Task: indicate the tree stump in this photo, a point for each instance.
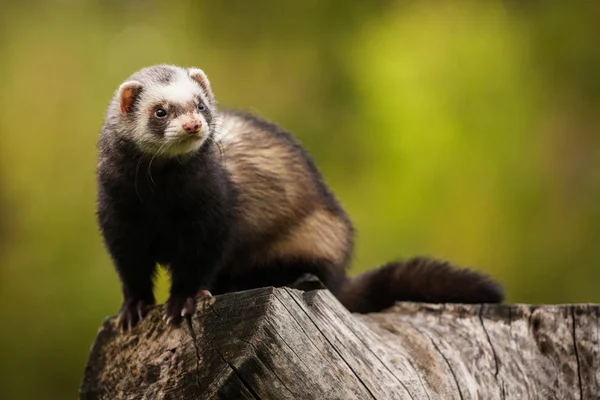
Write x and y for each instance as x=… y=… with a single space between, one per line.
x=282 y=343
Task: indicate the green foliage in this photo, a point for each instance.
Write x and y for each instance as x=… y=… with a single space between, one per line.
x=463 y=130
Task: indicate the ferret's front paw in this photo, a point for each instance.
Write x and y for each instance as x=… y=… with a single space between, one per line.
x=178 y=307
x=132 y=311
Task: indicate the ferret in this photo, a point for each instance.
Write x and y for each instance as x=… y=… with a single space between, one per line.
x=227 y=201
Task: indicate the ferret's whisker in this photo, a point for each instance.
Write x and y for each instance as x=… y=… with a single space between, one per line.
x=150 y=164
x=135 y=178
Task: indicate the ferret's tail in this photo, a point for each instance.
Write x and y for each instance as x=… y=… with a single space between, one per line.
x=420 y=280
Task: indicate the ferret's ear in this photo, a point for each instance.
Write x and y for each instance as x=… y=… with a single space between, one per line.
x=128 y=94
x=199 y=76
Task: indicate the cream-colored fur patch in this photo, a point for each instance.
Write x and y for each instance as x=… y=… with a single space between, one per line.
x=320 y=236
x=275 y=185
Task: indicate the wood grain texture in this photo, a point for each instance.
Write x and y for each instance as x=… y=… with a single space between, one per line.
x=287 y=344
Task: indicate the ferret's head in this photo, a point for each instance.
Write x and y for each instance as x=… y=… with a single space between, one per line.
x=165 y=110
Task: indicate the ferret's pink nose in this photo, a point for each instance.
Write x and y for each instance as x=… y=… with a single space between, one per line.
x=192 y=126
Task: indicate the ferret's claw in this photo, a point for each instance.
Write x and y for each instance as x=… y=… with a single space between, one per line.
x=132 y=311
x=178 y=307
x=203 y=293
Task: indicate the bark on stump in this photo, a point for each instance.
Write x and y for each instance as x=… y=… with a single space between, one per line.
x=288 y=344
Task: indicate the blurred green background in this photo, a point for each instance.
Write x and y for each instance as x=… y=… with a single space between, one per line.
x=464 y=130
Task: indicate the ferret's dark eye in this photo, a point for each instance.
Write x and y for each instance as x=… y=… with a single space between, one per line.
x=201 y=106
x=160 y=113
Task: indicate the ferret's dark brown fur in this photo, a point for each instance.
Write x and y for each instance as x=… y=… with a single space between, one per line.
x=236 y=205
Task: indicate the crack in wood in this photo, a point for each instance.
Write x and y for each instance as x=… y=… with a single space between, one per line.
x=368 y=347
x=394 y=331
x=239 y=376
x=445 y=359
x=449 y=366
x=288 y=346
x=257 y=353
x=530 y=319
x=487 y=335
x=192 y=333
x=420 y=380
x=334 y=348
x=210 y=306
x=416 y=372
x=236 y=373
x=325 y=356
x=576 y=352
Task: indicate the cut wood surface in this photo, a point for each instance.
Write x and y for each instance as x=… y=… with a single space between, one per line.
x=288 y=344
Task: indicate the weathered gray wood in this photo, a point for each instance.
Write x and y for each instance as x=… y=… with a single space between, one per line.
x=287 y=344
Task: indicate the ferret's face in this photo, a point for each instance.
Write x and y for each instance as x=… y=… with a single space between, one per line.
x=168 y=110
